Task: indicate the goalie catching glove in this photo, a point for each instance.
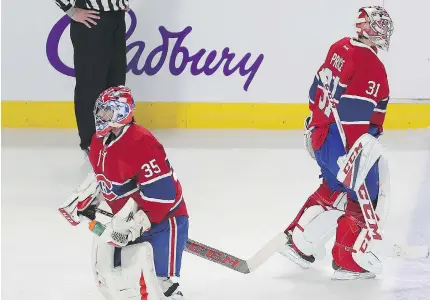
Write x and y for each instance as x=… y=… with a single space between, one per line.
x=307 y=136
x=124 y=227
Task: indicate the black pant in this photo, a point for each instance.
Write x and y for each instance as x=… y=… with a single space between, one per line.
x=100 y=62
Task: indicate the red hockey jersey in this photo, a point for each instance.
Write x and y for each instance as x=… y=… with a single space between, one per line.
x=134 y=164
x=358 y=83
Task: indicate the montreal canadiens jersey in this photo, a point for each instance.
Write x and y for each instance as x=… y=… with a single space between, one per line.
x=135 y=164
x=359 y=86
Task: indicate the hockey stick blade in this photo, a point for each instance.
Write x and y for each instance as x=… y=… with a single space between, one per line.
x=239 y=265
x=405 y=251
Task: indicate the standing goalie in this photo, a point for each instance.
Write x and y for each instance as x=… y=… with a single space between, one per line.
x=135 y=204
x=354 y=80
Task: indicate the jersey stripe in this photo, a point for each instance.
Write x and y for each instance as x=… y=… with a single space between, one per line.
x=161 y=191
x=157 y=178
x=355 y=110
x=359 y=97
x=173 y=238
x=313 y=90
x=382 y=106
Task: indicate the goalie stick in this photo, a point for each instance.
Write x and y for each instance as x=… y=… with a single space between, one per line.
x=246 y=266
x=220 y=257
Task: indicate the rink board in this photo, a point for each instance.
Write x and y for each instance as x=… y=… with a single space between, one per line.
x=162 y=115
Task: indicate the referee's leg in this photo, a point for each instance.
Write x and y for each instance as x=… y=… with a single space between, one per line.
x=118 y=64
x=92 y=54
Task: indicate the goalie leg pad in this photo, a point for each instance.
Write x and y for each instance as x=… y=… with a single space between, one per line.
x=317 y=232
x=316 y=222
x=372 y=184
x=138 y=272
x=116 y=268
x=346 y=253
x=102 y=260
x=324 y=197
x=134 y=279
x=383 y=201
x=360 y=165
x=363 y=247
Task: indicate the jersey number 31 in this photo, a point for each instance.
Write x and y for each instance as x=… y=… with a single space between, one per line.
x=327 y=79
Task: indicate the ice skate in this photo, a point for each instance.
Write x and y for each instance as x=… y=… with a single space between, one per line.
x=170 y=288
x=292 y=253
x=343 y=274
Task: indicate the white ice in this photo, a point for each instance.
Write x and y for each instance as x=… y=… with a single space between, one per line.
x=241 y=188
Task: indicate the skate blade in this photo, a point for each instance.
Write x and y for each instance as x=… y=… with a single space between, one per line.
x=295 y=257
x=347 y=275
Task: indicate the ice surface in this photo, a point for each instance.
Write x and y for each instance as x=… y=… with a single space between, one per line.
x=241 y=188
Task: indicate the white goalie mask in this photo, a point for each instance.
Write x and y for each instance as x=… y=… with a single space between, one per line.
x=114 y=108
x=375 y=24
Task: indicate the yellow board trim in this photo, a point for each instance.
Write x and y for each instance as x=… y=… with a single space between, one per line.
x=162 y=115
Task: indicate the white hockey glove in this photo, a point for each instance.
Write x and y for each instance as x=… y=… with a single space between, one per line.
x=126 y=226
x=80 y=201
x=307 y=136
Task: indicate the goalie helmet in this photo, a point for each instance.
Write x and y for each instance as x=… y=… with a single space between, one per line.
x=113 y=109
x=375 y=24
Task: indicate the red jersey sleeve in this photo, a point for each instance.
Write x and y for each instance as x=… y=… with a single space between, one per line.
x=365 y=97
x=313 y=90
x=155 y=180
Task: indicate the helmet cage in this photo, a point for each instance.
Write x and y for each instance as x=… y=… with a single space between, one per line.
x=113 y=113
x=379 y=27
